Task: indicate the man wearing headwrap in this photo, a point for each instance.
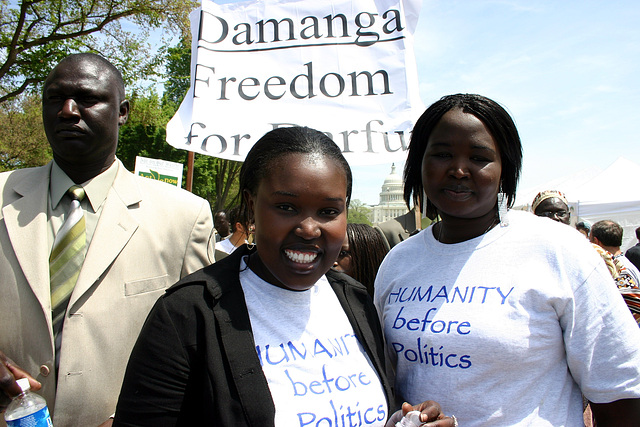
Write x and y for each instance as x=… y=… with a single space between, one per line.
x=552 y=204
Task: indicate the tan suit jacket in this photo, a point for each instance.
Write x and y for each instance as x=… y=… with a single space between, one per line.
x=148 y=236
x=398 y=229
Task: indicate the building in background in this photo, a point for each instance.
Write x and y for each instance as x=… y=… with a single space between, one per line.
x=392 y=203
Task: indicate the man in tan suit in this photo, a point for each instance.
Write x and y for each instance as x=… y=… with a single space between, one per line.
x=141 y=237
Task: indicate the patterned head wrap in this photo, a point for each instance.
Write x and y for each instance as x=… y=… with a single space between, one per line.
x=548 y=194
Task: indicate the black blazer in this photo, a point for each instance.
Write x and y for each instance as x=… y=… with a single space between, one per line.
x=195 y=360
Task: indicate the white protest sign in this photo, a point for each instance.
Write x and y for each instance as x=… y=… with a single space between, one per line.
x=344 y=67
x=161 y=170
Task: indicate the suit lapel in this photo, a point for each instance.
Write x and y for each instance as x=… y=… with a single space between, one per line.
x=113 y=231
x=26 y=222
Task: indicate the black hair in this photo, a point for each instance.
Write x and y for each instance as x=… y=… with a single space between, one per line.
x=608 y=232
x=582 y=225
x=97 y=60
x=367 y=249
x=234 y=215
x=280 y=142
x=493 y=116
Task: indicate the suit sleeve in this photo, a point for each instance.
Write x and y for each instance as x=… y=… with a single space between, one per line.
x=157 y=374
x=201 y=245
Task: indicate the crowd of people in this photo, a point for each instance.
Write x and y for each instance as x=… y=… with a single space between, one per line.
x=278 y=312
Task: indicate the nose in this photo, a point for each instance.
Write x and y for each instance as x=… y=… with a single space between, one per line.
x=459 y=169
x=69 y=109
x=308 y=229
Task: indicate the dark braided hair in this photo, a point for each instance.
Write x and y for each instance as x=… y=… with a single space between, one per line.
x=367 y=249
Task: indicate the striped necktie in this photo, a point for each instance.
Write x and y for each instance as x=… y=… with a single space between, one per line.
x=67 y=256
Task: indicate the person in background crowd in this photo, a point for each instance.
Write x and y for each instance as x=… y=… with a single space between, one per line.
x=633 y=253
x=608 y=261
x=584 y=227
x=552 y=204
x=239 y=234
x=270 y=335
x=399 y=228
x=69 y=326
x=608 y=235
x=487 y=299
x=221 y=224
x=362 y=252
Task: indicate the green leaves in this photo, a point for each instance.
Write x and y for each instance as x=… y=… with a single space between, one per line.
x=36 y=34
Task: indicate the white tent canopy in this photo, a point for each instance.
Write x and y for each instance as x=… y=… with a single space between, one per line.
x=594 y=195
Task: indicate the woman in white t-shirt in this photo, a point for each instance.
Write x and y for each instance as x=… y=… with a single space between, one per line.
x=239 y=233
x=511 y=315
x=268 y=335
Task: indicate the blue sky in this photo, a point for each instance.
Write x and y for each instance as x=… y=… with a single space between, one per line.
x=567 y=71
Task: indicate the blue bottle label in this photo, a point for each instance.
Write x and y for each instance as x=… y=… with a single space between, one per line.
x=40 y=418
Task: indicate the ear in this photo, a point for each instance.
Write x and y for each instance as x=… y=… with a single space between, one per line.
x=124 y=112
x=250 y=205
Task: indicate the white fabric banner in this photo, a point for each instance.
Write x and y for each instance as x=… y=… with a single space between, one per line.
x=344 y=67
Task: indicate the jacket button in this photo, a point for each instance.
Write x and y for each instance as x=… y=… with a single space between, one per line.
x=44 y=370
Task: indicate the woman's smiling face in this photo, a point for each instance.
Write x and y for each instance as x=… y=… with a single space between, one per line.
x=300 y=215
x=461 y=167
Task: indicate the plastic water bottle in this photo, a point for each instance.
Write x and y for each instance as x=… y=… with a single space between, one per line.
x=412 y=419
x=27 y=409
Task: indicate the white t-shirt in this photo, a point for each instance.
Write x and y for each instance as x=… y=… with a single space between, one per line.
x=226 y=245
x=317 y=371
x=508 y=328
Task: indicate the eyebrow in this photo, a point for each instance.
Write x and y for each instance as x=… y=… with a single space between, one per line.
x=284 y=193
x=484 y=148
x=448 y=144
x=289 y=194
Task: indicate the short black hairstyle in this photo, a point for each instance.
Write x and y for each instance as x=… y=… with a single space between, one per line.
x=280 y=142
x=493 y=116
x=608 y=232
x=98 y=60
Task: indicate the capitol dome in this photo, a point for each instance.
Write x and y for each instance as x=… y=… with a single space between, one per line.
x=392 y=187
x=391 y=199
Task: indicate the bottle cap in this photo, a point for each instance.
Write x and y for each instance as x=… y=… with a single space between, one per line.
x=23 y=383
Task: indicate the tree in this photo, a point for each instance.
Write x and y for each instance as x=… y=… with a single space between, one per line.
x=144 y=134
x=36 y=34
x=22 y=139
x=214 y=179
x=178 y=72
x=358 y=213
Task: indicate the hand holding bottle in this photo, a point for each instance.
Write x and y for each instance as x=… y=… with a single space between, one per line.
x=9 y=373
x=27 y=408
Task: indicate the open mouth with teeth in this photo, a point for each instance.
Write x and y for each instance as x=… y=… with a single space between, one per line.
x=301 y=257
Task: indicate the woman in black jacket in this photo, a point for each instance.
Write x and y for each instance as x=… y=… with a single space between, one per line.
x=269 y=335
